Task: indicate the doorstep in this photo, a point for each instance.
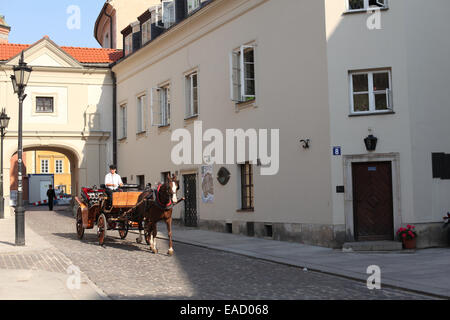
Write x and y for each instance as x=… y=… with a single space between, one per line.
x=372 y=246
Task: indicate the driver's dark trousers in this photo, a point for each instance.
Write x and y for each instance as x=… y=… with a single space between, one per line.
x=109 y=193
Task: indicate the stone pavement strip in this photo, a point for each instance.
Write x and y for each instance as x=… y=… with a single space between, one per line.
x=38 y=271
x=422 y=271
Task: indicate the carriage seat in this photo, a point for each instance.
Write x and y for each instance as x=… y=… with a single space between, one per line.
x=125 y=199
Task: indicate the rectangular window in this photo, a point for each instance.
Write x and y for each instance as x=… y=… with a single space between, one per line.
x=140 y=182
x=141 y=114
x=247 y=188
x=242 y=66
x=146 y=29
x=59 y=166
x=364 y=5
x=44 y=104
x=371 y=92
x=191 y=95
x=123 y=121
x=164 y=175
x=193 y=5
x=44 y=166
x=128 y=44
x=168 y=13
x=161 y=106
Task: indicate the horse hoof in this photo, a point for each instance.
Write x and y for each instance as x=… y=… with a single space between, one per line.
x=138 y=240
x=170 y=252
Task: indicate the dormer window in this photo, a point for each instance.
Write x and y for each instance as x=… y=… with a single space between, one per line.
x=128 y=44
x=168 y=13
x=193 y=5
x=146 y=26
x=146 y=31
x=127 y=34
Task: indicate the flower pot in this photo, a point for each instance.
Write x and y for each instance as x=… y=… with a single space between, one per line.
x=409 y=243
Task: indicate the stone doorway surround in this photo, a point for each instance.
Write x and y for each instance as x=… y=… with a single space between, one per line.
x=394 y=158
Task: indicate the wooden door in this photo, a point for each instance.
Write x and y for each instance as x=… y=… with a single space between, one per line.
x=372 y=201
x=190 y=205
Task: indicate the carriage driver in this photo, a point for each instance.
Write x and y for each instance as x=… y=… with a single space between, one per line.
x=112 y=181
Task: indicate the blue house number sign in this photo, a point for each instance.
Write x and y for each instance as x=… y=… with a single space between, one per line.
x=337 y=151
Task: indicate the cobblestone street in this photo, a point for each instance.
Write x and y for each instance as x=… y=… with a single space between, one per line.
x=127 y=270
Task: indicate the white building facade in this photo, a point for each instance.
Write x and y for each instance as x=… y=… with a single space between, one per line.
x=329 y=73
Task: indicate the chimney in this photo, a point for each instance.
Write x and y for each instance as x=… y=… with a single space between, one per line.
x=4 y=30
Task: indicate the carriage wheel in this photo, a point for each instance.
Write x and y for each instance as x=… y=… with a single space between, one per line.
x=101 y=229
x=80 y=229
x=123 y=233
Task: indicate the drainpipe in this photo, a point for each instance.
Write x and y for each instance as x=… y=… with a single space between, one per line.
x=114 y=79
x=113 y=75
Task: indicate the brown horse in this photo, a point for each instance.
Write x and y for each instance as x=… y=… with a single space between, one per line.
x=160 y=208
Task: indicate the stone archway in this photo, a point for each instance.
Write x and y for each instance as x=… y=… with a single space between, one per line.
x=10 y=173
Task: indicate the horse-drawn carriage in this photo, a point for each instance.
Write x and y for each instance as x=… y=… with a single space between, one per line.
x=94 y=209
x=129 y=209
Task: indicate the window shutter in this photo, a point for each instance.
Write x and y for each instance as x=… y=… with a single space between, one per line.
x=155 y=107
x=188 y=86
x=235 y=77
x=139 y=115
x=390 y=102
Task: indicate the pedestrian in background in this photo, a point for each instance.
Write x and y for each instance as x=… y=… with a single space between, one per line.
x=51 y=196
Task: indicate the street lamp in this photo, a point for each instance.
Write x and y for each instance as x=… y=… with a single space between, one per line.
x=19 y=81
x=4 y=121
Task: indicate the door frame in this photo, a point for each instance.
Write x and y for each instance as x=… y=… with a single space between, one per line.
x=394 y=158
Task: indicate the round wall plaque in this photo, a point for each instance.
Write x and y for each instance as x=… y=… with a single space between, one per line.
x=223 y=176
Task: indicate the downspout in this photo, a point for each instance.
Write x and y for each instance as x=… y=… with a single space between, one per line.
x=114 y=79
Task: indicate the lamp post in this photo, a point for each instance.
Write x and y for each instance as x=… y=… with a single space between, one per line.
x=4 y=121
x=19 y=80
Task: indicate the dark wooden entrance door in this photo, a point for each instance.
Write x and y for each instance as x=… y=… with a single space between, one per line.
x=190 y=205
x=372 y=201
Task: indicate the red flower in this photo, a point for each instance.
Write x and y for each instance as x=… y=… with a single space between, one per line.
x=404 y=235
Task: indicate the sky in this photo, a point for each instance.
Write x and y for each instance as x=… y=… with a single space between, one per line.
x=66 y=22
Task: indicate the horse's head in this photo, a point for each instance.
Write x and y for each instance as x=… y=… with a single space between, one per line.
x=174 y=186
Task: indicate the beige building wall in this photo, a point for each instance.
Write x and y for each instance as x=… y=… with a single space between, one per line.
x=81 y=124
x=291 y=85
x=408 y=43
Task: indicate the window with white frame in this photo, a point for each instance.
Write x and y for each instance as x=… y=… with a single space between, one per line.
x=146 y=29
x=160 y=104
x=59 y=166
x=191 y=95
x=363 y=5
x=242 y=69
x=193 y=5
x=128 y=44
x=168 y=13
x=141 y=124
x=371 y=91
x=123 y=121
x=44 y=166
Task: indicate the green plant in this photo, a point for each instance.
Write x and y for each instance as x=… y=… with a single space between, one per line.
x=407 y=233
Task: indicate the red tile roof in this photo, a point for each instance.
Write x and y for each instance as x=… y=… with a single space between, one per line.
x=83 y=55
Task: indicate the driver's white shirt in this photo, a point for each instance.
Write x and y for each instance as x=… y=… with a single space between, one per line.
x=113 y=179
